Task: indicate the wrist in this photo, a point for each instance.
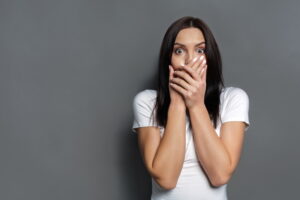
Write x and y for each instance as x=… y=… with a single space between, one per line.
x=197 y=107
x=178 y=105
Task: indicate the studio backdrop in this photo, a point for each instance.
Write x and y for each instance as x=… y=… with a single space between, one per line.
x=69 y=71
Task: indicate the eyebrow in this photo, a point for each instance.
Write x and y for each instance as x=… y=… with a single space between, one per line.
x=184 y=45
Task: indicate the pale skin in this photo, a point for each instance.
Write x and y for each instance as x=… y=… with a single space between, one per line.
x=164 y=156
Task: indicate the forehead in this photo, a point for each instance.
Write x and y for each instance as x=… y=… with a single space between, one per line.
x=190 y=35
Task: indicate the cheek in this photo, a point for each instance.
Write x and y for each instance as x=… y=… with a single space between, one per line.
x=177 y=61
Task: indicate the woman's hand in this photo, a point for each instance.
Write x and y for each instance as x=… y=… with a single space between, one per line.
x=174 y=95
x=190 y=82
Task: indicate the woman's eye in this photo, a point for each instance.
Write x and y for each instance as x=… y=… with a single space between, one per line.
x=178 y=50
x=200 y=50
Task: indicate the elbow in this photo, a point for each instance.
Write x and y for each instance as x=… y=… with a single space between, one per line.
x=220 y=180
x=166 y=184
x=165 y=181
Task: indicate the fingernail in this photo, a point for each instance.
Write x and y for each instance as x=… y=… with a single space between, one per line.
x=201 y=58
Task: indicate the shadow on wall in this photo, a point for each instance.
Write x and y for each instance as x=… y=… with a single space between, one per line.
x=150 y=79
x=134 y=179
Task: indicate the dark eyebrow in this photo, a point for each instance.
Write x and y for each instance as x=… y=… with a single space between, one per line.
x=184 y=45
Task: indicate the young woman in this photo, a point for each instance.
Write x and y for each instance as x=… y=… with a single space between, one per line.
x=191 y=129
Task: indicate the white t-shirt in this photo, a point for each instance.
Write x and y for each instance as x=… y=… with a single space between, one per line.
x=192 y=183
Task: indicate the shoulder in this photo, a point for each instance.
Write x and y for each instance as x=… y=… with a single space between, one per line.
x=145 y=96
x=233 y=92
x=235 y=105
x=234 y=97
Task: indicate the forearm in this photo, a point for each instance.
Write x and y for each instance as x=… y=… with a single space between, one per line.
x=210 y=150
x=169 y=157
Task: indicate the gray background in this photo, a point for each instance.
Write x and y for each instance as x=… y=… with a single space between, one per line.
x=70 y=69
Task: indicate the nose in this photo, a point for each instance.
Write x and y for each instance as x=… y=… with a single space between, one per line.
x=189 y=58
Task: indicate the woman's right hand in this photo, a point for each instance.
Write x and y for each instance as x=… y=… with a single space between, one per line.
x=174 y=95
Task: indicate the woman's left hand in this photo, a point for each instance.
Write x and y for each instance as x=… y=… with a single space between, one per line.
x=191 y=83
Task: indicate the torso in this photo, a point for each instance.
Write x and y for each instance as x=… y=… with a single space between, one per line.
x=193 y=183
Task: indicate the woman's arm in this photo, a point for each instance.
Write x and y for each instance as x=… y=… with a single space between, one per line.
x=164 y=159
x=219 y=156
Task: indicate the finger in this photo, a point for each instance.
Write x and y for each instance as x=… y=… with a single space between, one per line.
x=198 y=63
x=181 y=83
x=193 y=66
x=179 y=89
x=194 y=63
x=204 y=73
x=187 y=76
x=171 y=72
x=191 y=72
x=202 y=65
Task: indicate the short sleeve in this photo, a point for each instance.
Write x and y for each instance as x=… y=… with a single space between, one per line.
x=143 y=104
x=236 y=106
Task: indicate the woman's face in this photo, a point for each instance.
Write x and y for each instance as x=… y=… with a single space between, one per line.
x=188 y=44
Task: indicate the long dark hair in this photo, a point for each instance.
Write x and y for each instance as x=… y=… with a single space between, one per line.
x=214 y=77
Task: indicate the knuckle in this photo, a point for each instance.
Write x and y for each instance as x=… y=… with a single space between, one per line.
x=185 y=94
x=195 y=74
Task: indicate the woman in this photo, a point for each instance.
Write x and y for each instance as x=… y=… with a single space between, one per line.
x=191 y=129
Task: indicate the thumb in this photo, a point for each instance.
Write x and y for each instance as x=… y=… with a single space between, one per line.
x=171 y=71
